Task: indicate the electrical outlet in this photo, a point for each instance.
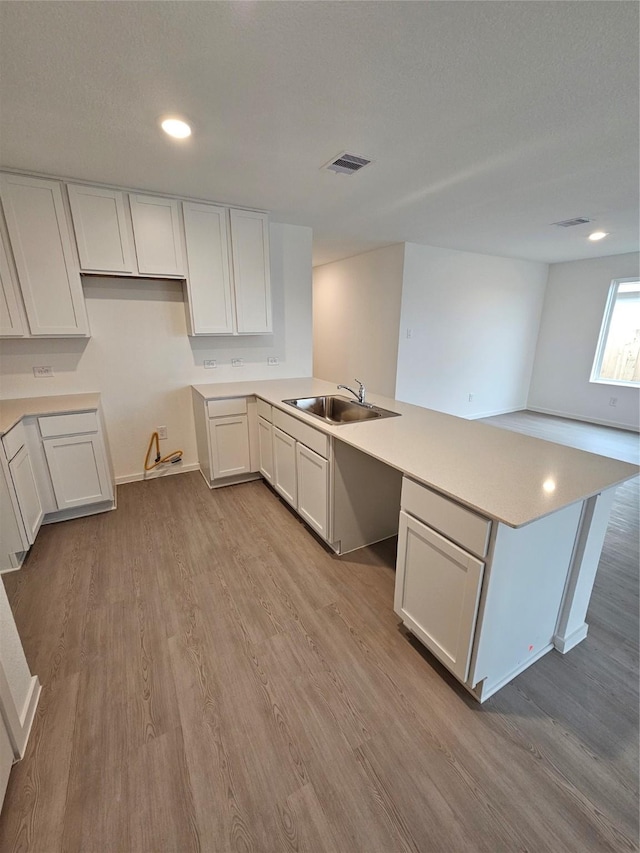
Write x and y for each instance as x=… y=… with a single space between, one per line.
x=272 y=360
x=613 y=401
x=162 y=431
x=471 y=396
x=237 y=362
x=209 y=363
x=42 y=372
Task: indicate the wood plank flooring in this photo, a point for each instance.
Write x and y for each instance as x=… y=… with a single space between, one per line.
x=214 y=679
x=607 y=441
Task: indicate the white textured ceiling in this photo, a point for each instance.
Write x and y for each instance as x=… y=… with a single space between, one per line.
x=486 y=121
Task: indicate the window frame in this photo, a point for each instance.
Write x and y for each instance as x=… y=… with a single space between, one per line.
x=604 y=334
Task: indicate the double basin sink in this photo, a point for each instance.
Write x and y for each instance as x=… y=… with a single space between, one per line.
x=337 y=410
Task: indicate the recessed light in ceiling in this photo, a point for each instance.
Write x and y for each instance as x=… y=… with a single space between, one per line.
x=176 y=127
x=598 y=235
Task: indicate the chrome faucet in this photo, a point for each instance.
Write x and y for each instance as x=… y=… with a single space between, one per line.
x=359 y=394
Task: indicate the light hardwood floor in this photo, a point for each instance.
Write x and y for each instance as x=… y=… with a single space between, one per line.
x=214 y=679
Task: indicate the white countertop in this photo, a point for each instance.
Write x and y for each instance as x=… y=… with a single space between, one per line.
x=504 y=475
x=11 y=411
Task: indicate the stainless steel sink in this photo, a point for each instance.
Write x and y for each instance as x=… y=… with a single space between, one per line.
x=339 y=410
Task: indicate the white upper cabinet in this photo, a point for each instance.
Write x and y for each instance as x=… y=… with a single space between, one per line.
x=251 y=271
x=11 y=323
x=47 y=267
x=209 y=279
x=101 y=229
x=156 y=233
x=228 y=283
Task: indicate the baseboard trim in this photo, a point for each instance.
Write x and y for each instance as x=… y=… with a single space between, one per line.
x=177 y=468
x=565 y=644
x=490 y=414
x=482 y=691
x=28 y=714
x=582 y=418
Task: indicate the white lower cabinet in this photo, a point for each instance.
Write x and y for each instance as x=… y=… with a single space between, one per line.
x=78 y=469
x=229 y=438
x=24 y=482
x=313 y=497
x=265 y=446
x=437 y=592
x=77 y=460
x=301 y=476
x=285 y=478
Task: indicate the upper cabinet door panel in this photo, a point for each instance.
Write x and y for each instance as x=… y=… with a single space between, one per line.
x=250 y=248
x=45 y=259
x=101 y=229
x=11 y=324
x=209 y=280
x=156 y=232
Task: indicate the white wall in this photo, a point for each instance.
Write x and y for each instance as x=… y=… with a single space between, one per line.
x=474 y=322
x=573 y=309
x=356 y=312
x=141 y=360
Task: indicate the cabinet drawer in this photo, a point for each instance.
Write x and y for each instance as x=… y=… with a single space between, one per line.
x=313 y=438
x=79 y=422
x=264 y=410
x=455 y=521
x=225 y=408
x=14 y=440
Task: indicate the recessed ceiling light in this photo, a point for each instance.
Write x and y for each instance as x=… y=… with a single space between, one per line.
x=598 y=235
x=177 y=128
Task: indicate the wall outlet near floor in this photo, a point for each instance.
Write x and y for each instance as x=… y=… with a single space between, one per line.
x=209 y=363
x=237 y=362
x=42 y=372
x=471 y=396
x=162 y=431
x=613 y=401
x=272 y=360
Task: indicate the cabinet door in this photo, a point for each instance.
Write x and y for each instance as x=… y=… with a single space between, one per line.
x=437 y=593
x=45 y=260
x=209 y=278
x=11 y=325
x=13 y=539
x=6 y=758
x=285 y=479
x=229 y=446
x=156 y=233
x=265 y=443
x=24 y=483
x=251 y=271
x=101 y=229
x=78 y=469
x=313 y=489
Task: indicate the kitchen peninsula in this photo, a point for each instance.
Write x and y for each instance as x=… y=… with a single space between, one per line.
x=499 y=533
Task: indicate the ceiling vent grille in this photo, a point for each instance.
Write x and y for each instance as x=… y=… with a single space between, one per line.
x=346 y=164
x=569 y=223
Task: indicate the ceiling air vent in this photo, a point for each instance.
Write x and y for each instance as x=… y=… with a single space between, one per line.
x=346 y=164
x=569 y=223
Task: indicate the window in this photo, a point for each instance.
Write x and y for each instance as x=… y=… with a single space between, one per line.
x=617 y=360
